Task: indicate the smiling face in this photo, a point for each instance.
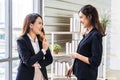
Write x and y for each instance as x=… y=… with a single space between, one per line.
x=84 y=20
x=37 y=26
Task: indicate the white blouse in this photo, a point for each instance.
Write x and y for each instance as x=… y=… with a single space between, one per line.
x=38 y=74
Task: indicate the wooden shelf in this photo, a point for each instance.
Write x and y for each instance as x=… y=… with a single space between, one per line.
x=60 y=76
x=62 y=57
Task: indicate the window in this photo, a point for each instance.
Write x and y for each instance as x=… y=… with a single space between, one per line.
x=20 y=9
x=4 y=71
x=15 y=64
x=2 y=29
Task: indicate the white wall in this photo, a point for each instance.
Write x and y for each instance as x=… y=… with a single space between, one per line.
x=115 y=35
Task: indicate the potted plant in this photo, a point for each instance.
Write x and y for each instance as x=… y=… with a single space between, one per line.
x=56 y=48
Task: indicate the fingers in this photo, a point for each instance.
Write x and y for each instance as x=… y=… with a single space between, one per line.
x=35 y=65
x=45 y=44
x=44 y=39
x=69 y=73
x=42 y=35
x=73 y=55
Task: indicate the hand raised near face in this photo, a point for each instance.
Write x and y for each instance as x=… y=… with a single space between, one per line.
x=45 y=44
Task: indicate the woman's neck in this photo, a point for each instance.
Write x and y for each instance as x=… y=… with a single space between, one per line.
x=32 y=35
x=89 y=29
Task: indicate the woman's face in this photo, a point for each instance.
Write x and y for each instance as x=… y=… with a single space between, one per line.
x=84 y=20
x=37 y=26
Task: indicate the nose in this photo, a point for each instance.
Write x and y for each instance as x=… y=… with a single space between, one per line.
x=41 y=26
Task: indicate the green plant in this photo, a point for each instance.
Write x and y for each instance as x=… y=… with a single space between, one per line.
x=57 y=47
x=105 y=20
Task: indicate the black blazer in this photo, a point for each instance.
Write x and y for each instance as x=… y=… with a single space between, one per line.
x=91 y=47
x=28 y=58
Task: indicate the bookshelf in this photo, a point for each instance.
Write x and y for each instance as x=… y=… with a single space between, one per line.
x=61 y=59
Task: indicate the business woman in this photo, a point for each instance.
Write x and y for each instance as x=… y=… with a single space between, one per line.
x=33 y=49
x=89 y=52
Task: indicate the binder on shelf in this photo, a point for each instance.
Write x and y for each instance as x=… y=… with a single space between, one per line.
x=71 y=47
x=56 y=68
x=67 y=48
x=64 y=69
x=60 y=68
x=74 y=23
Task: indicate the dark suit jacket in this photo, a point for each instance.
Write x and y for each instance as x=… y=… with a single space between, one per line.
x=28 y=58
x=91 y=47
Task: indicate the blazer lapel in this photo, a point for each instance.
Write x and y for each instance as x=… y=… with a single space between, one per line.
x=40 y=44
x=29 y=44
x=86 y=37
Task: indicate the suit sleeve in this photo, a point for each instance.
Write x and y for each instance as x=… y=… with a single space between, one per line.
x=96 y=49
x=47 y=60
x=25 y=55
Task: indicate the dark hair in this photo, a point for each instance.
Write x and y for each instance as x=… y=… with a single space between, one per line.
x=30 y=18
x=90 y=12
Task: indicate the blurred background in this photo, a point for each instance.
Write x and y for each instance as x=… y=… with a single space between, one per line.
x=56 y=17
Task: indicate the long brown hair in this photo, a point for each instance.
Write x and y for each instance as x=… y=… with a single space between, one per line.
x=91 y=12
x=31 y=18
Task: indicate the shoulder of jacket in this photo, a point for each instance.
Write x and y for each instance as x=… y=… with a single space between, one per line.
x=21 y=38
x=96 y=33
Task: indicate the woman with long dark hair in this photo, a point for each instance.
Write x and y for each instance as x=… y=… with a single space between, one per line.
x=88 y=56
x=33 y=49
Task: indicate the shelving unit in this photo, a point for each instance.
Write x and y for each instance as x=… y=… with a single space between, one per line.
x=61 y=57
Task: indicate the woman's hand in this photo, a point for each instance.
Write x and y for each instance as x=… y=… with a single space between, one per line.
x=74 y=55
x=45 y=44
x=68 y=74
x=36 y=65
x=42 y=35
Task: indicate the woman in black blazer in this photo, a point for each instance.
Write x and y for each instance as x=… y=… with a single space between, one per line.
x=89 y=51
x=33 y=50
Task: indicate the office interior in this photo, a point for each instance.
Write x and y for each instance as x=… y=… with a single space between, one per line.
x=56 y=18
